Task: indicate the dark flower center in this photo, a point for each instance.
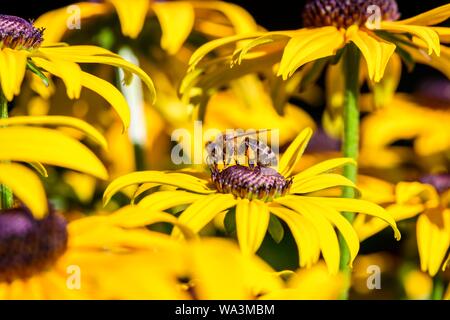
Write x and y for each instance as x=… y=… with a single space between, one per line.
x=344 y=13
x=252 y=183
x=440 y=181
x=17 y=33
x=29 y=246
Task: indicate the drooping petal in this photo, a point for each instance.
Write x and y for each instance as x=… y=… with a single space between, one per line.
x=92 y=54
x=303 y=232
x=252 y=221
x=132 y=15
x=294 y=152
x=110 y=93
x=441 y=63
x=202 y=211
x=68 y=71
x=443 y=33
x=12 y=70
x=324 y=166
x=431 y=17
x=58 y=22
x=309 y=45
x=327 y=236
x=428 y=35
x=376 y=52
x=341 y=223
x=48 y=146
x=367 y=228
x=241 y=20
x=320 y=182
x=163 y=200
x=433 y=238
x=26 y=186
x=208 y=47
x=179 y=180
x=59 y=121
x=357 y=205
x=176 y=20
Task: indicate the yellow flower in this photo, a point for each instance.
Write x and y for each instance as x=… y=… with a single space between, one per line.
x=21 y=49
x=22 y=142
x=329 y=27
x=176 y=18
x=53 y=259
x=403 y=119
x=430 y=201
x=260 y=196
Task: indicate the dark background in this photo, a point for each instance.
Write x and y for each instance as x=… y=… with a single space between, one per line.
x=279 y=14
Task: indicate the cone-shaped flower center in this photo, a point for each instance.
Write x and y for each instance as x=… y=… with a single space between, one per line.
x=17 y=33
x=252 y=183
x=440 y=181
x=344 y=13
x=29 y=246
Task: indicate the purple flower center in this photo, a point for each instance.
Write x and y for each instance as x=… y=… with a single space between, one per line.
x=17 y=33
x=344 y=13
x=29 y=246
x=262 y=183
x=440 y=181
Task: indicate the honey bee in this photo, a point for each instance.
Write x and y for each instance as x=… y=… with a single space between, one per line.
x=230 y=147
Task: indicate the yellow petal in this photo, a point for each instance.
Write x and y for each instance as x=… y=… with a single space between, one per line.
x=320 y=182
x=39 y=167
x=309 y=45
x=179 y=180
x=357 y=205
x=132 y=15
x=341 y=223
x=12 y=70
x=176 y=20
x=433 y=239
x=55 y=21
x=136 y=216
x=431 y=17
x=241 y=20
x=428 y=35
x=68 y=71
x=59 y=121
x=443 y=33
x=201 y=52
x=92 y=54
x=324 y=166
x=110 y=93
x=50 y=147
x=327 y=236
x=163 y=200
x=202 y=211
x=294 y=152
x=441 y=63
x=304 y=234
x=376 y=52
x=252 y=221
x=26 y=186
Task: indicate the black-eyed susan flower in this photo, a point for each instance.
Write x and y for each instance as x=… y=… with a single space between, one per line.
x=331 y=25
x=405 y=118
x=260 y=196
x=22 y=48
x=51 y=258
x=429 y=200
x=177 y=19
x=22 y=142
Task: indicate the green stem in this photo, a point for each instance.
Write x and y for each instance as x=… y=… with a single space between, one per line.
x=6 y=196
x=438 y=288
x=350 y=144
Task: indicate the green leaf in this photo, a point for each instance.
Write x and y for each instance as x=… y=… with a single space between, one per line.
x=276 y=229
